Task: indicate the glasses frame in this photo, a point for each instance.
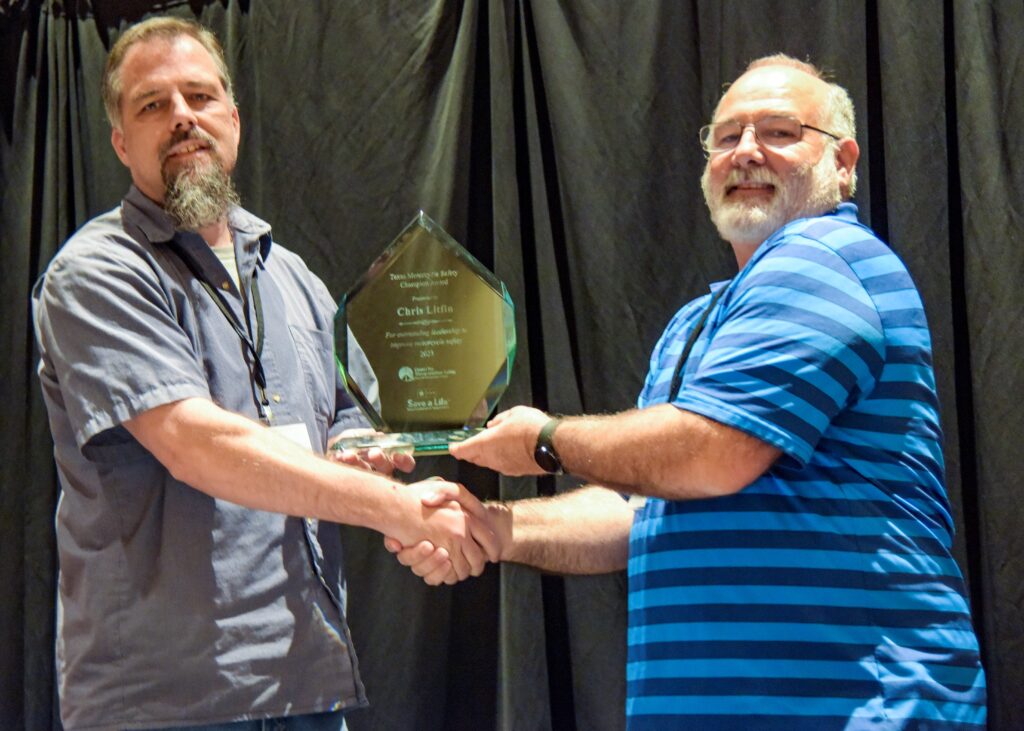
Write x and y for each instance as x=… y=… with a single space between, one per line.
x=704 y=134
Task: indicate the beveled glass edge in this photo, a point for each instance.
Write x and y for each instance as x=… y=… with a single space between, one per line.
x=422 y=220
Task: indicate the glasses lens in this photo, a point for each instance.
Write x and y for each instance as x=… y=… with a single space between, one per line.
x=723 y=136
x=770 y=131
x=778 y=131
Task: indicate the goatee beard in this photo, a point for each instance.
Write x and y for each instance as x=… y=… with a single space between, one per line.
x=810 y=190
x=199 y=193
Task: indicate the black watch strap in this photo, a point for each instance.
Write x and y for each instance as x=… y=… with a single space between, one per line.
x=544 y=453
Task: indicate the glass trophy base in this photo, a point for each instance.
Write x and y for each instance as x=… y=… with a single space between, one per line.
x=424 y=443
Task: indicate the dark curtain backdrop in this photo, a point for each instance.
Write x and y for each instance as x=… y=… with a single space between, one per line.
x=557 y=140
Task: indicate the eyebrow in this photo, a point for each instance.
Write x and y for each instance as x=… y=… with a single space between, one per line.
x=189 y=85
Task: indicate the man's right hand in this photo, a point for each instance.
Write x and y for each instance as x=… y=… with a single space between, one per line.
x=490 y=527
x=455 y=526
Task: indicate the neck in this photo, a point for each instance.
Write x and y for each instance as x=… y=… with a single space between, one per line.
x=216 y=234
x=743 y=250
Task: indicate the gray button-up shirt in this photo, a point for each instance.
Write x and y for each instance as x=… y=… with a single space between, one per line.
x=175 y=606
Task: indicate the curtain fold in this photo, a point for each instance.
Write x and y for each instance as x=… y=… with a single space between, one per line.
x=557 y=142
x=986 y=60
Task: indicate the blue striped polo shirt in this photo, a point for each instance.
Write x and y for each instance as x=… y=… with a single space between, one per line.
x=823 y=595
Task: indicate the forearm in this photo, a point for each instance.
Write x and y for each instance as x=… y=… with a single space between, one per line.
x=581 y=532
x=232 y=458
x=661 y=451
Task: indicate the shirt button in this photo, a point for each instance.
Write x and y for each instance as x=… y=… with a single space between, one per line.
x=225 y=286
x=277 y=398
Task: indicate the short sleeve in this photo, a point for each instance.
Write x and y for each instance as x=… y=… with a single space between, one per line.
x=108 y=333
x=797 y=340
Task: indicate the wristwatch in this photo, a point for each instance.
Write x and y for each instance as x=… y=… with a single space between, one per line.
x=544 y=453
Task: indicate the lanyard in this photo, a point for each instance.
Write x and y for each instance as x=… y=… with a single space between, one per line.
x=677 y=375
x=255 y=348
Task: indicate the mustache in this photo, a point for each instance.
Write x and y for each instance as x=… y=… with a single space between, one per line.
x=192 y=133
x=751 y=175
x=764 y=175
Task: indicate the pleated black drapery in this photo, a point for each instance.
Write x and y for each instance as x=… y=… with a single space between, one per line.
x=557 y=141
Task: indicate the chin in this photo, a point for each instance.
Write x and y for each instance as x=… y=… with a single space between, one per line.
x=178 y=167
x=747 y=222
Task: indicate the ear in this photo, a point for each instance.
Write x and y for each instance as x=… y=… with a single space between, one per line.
x=117 y=142
x=847 y=154
x=237 y=121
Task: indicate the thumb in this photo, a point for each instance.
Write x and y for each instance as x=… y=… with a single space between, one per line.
x=438 y=496
x=455 y=449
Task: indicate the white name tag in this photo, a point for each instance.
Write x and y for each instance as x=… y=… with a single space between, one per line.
x=295 y=433
x=637 y=502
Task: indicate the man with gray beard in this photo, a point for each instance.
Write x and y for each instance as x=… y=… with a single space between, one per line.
x=188 y=372
x=197 y=196
x=790 y=567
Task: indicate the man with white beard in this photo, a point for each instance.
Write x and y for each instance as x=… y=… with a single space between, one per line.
x=188 y=372
x=790 y=567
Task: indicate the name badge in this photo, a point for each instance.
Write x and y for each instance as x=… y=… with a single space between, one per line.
x=295 y=433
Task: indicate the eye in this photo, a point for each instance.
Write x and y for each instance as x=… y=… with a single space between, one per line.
x=779 y=131
x=728 y=136
x=201 y=98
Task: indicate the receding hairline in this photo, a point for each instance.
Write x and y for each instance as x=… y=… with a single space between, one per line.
x=782 y=59
x=161 y=28
x=836 y=111
x=779 y=61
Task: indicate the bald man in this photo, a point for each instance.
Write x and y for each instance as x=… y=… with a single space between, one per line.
x=790 y=567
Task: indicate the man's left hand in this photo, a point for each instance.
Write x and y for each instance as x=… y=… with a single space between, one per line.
x=384 y=461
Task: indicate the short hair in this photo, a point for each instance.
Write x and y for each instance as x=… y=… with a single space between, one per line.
x=167 y=29
x=837 y=115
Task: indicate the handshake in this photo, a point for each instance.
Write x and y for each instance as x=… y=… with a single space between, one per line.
x=441 y=531
x=473 y=533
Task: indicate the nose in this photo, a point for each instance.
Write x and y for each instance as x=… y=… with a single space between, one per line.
x=182 y=114
x=748 y=151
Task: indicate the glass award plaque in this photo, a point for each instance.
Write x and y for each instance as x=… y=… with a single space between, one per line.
x=438 y=330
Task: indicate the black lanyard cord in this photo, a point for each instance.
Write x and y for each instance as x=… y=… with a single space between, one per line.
x=243 y=333
x=677 y=375
x=257 y=303
x=255 y=349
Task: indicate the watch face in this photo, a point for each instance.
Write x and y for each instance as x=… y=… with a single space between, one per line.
x=547 y=459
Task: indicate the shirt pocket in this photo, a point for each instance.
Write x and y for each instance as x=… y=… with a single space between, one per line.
x=315 y=350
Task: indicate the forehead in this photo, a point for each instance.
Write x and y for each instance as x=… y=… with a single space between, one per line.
x=159 y=61
x=773 y=90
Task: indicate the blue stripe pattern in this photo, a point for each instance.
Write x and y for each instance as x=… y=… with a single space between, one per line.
x=823 y=595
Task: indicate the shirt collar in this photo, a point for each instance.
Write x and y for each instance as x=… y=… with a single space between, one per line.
x=845 y=211
x=157 y=226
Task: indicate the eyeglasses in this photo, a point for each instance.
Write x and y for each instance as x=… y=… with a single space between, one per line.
x=771 y=132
